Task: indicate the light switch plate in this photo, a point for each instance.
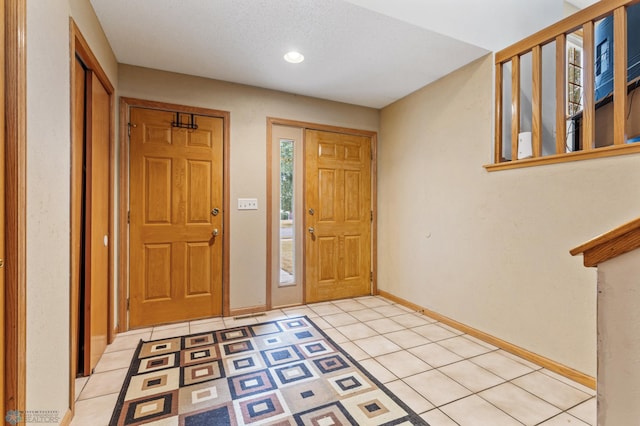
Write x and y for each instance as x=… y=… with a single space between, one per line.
x=247 y=204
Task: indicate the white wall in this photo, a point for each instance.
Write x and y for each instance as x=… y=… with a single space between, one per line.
x=48 y=193
x=48 y=152
x=491 y=249
x=249 y=108
x=569 y=9
x=85 y=18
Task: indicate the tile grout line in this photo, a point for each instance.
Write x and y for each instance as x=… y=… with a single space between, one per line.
x=558 y=415
x=541 y=398
x=98 y=396
x=569 y=382
x=464 y=359
x=446 y=415
x=405 y=328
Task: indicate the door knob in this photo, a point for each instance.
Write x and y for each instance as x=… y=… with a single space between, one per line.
x=311 y=230
x=215 y=232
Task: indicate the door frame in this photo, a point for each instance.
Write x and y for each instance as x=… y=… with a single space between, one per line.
x=15 y=188
x=123 y=224
x=81 y=49
x=304 y=125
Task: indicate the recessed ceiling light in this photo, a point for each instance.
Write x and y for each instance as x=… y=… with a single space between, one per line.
x=294 y=57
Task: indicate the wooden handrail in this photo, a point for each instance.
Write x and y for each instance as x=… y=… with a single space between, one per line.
x=611 y=244
x=567 y=25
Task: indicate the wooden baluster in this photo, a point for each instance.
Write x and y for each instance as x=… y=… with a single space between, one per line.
x=619 y=75
x=536 y=101
x=561 y=94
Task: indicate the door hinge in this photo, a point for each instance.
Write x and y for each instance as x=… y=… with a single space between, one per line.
x=127 y=303
x=371 y=276
x=130 y=125
x=371 y=215
x=128 y=216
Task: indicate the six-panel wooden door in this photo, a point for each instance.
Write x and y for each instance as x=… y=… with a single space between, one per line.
x=338 y=215
x=176 y=218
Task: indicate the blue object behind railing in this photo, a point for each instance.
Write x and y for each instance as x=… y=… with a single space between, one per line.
x=604 y=51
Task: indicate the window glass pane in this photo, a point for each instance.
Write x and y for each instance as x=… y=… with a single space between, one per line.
x=506 y=110
x=287 y=234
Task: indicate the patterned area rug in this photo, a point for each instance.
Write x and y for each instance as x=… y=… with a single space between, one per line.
x=283 y=372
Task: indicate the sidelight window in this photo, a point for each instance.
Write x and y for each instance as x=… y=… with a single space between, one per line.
x=287 y=217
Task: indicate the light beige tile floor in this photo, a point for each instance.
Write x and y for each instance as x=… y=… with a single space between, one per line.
x=445 y=376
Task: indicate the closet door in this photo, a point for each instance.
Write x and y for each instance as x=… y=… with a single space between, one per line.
x=97 y=220
x=90 y=206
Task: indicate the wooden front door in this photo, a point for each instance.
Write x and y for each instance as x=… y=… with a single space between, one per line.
x=176 y=218
x=338 y=215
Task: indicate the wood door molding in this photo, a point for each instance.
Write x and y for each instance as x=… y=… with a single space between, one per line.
x=81 y=48
x=15 y=81
x=2 y=213
x=123 y=185
x=305 y=125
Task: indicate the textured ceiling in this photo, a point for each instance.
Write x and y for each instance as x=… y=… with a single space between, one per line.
x=364 y=52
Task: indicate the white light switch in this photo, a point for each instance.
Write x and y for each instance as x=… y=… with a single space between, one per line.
x=247 y=204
